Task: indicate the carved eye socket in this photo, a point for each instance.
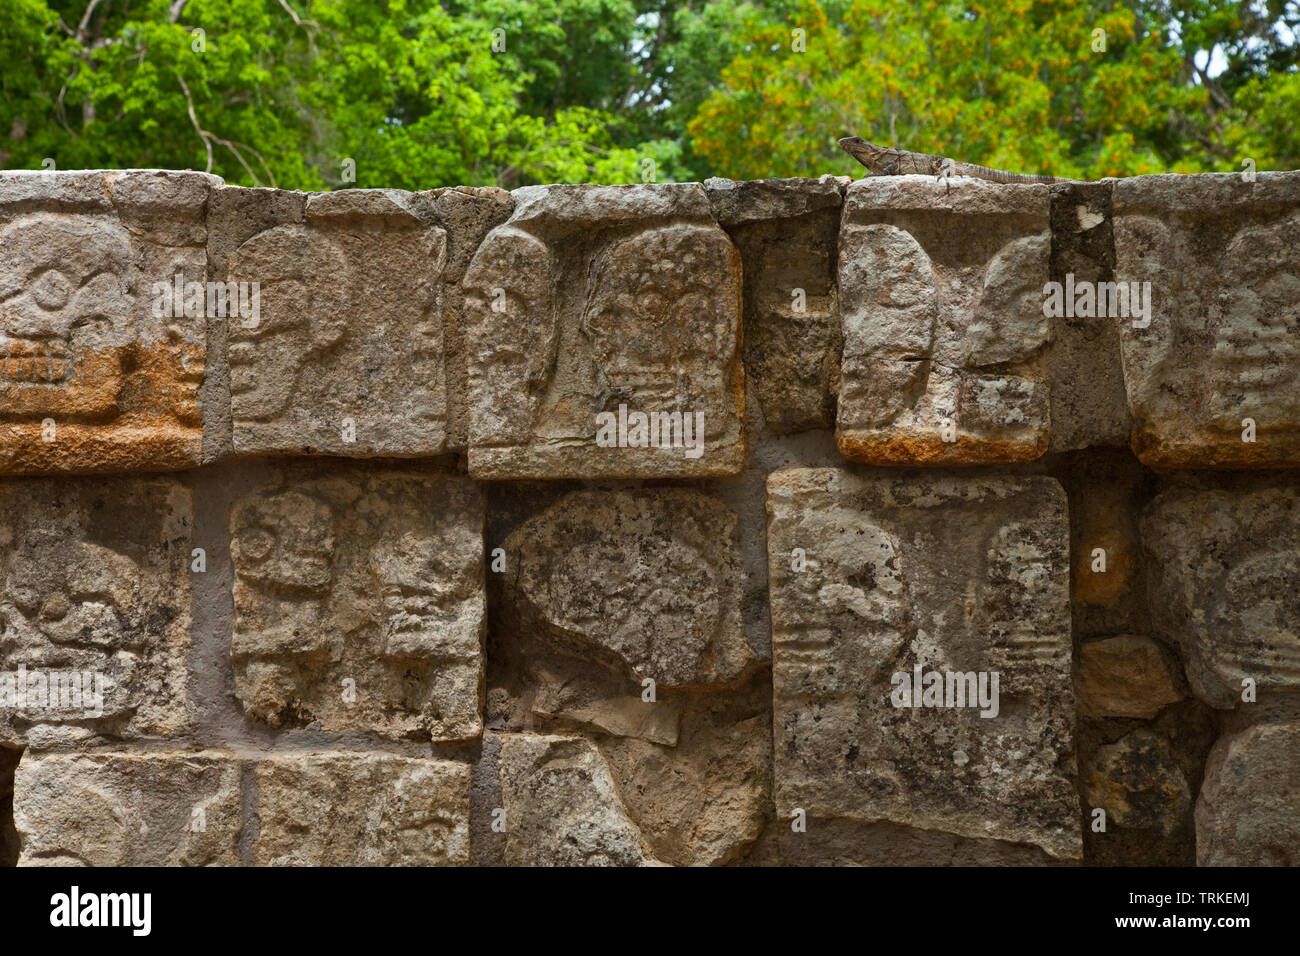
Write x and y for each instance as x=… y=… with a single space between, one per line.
x=256 y=544
x=52 y=290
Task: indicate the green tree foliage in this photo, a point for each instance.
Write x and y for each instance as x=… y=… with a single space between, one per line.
x=420 y=93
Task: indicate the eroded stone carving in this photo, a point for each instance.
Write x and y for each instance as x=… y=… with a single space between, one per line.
x=646 y=582
x=361 y=809
x=120 y=809
x=949 y=575
x=94 y=609
x=594 y=297
x=93 y=377
x=1223 y=343
x=1223 y=587
x=347 y=355
x=941 y=298
x=373 y=577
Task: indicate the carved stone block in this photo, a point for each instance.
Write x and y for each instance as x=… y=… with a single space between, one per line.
x=98 y=372
x=347 y=355
x=944 y=575
x=1213 y=380
x=361 y=809
x=646 y=582
x=595 y=301
x=359 y=602
x=945 y=339
x=94 y=609
x=1223 y=570
x=120 y=809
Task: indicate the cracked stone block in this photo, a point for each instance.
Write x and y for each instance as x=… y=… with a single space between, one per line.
x=359 y=602
x=120 y=809
x=945 y=337
x=949 y=575
x=347 y=354
x=100 y=366
x=787 y=231
x=1248 y=813
x=1223 y=341
x=645 y=582
x=562 y=807
x=361 y=809
x=591 y=307
x=1224 y=567
x=94 y=609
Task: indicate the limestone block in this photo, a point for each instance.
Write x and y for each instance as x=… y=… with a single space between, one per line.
x=99 y=369
x=346 y=357
x=128 y=809
x=561 y=806
x=945 y=338
x=590 y=300
x=361 y=809
x=960 y=576
x=1248 y=813
x=786 y=231
x=95 y=598
x=1223 y=343
x=647 y=582
x=1222 y=574
x=359 y=601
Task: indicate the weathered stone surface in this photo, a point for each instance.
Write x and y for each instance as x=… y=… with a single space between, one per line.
x=1088 y=405
x=361 y=809
x=1138 y=783
x=595 y=298
x=1248 y=813
x=703 y=800
x=346 y=357
x=1223 y=343
x=786 y=231
x=948 y=575
x=94 y=609
x=941 y=297
x=1126 y=676
x=121 y=809
x=646 y=582
x=1223 y=570
x=95 y=374
x=562 y=808
x=374 y=576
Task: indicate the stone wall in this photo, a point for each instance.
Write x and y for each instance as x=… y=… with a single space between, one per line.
x=332 y=528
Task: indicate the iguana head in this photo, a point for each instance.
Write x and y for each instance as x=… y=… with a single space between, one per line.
x=868 y=154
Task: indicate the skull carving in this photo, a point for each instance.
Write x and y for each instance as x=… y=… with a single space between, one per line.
x=65 y=316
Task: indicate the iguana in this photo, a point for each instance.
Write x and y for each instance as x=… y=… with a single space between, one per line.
x=884 y=161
